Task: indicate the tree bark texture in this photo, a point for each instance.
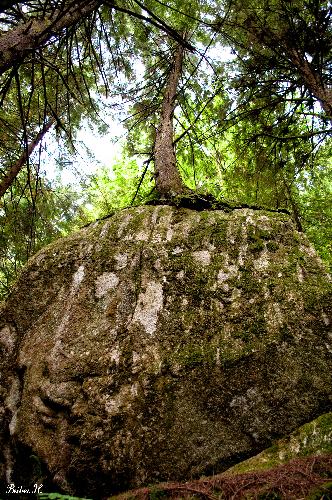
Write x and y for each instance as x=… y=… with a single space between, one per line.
x=168 y=180
x=15 y=169
x=313 y=81
x=309 y=75
x=15 y=44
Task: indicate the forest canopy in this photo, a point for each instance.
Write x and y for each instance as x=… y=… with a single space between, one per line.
x=224 y=99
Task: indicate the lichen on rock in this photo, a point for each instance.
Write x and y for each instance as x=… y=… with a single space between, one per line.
x=161 y=344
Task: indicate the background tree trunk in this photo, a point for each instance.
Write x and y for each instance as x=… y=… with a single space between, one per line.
x=313 y=81
x=20 y=41
x=168 y=180
x=15 y=169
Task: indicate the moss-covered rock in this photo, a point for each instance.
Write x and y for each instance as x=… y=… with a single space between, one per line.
x=312 y=438
x=163 y=343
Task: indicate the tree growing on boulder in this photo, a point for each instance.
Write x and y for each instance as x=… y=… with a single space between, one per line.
x=168 y=179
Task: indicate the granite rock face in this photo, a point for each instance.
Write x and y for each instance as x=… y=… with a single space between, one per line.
x=161 y=344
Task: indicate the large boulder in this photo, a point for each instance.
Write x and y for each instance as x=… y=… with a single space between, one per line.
x=162 y=343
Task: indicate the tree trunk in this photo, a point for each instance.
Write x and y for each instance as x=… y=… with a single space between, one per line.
x=296 y=212
x=310 y=77
x=18 y=42
x=15 y=44
x=168 y=180
x=15 y=169
x=312 y=81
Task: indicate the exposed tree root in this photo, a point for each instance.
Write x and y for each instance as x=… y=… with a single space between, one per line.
x=207 y=202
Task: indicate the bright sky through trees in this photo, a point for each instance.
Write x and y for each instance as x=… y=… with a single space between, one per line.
x=106 y=149
x=93 y=150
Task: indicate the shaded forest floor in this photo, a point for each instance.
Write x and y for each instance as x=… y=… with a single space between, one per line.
x=307 y=478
